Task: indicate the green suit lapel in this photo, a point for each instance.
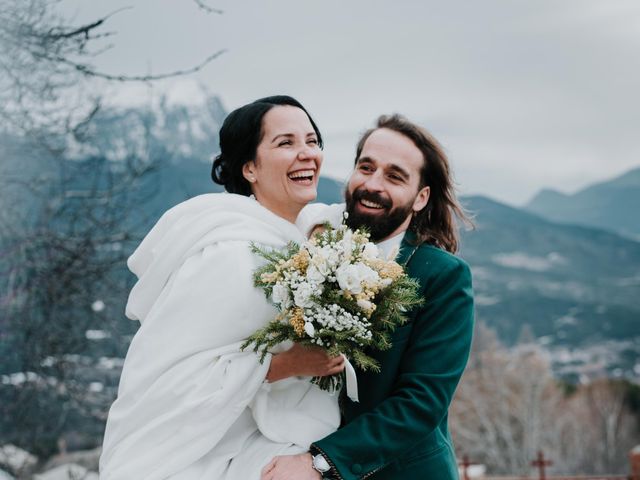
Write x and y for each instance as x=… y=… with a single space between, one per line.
x=408 y=247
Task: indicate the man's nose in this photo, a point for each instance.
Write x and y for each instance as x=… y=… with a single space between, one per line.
x=375 y=182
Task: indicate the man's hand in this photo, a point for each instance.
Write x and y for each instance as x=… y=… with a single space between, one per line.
x=291 y=467
x=303 y=361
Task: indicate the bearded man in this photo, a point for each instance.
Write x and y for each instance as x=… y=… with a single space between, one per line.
x=401 y=190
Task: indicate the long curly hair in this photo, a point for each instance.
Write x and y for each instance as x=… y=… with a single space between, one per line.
x=435 y=224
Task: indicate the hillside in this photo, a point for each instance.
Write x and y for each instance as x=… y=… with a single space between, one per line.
x=612 y=205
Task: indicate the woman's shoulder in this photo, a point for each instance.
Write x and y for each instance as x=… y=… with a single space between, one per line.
x=319 y=213
x=207 y=201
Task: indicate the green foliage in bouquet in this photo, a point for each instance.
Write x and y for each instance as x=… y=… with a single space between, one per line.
x=335 y=292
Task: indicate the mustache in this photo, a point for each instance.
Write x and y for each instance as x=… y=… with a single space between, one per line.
x=374 y=197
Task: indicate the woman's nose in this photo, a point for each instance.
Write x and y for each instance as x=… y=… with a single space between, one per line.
x=306 y=152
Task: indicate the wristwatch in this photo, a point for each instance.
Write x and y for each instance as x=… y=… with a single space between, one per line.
x=320 y=464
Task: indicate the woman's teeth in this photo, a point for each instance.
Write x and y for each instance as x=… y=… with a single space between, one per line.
x=302 y=175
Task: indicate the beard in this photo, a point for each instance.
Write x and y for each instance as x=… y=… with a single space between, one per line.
x=379 y=225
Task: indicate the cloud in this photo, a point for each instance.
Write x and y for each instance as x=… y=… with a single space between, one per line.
x=524 y=95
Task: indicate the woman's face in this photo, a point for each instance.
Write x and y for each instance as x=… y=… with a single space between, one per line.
x=284 y=175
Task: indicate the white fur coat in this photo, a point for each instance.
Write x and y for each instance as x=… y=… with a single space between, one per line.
x=190 y=403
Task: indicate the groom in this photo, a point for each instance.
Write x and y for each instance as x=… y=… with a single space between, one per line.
x=401 y=190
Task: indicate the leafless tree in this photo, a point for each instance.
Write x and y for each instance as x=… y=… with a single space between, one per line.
x=504 y=408
x=68 y=219
x=509 y=406
x=614 y=430
x=47 y=70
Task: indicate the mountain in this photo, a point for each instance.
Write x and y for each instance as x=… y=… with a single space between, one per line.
x=573 y=285
x=575 y=288
x=611 y=205
x=570 y=283
x=532 y=265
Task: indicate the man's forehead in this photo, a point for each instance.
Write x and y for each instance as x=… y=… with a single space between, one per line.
x=388 y=146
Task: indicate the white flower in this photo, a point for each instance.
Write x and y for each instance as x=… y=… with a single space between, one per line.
x=352 y=277
x=370 y=251
x=328 y=256
x=315 y=274
x=280 y=296
x=368 y=276
x=348 y=278
x=346 y=244
x=302 y=295
x=365 y=305
x=309 y=329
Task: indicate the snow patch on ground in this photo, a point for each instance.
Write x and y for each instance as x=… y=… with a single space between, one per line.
x=523 y=261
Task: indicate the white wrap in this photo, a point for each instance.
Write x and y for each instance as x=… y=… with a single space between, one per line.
x=190 y=404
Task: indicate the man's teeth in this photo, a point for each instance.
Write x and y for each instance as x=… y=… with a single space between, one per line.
x=369 y=204
x=301 y=174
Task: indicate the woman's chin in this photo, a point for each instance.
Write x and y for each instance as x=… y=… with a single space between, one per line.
x=305 y=196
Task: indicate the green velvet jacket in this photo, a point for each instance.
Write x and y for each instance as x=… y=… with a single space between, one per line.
x=399 y=428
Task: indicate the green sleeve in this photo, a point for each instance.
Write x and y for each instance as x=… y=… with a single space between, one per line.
x=430 y=370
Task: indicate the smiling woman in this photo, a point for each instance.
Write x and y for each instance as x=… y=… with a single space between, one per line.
x=284 y=174
x=254 y=129
x=191 y=402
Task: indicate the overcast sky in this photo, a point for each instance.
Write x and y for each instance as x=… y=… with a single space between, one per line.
x=523 y=94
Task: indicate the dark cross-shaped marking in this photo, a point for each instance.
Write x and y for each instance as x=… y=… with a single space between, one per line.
x=540 y=462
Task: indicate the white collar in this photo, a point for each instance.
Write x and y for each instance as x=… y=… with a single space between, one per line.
x=390 y=244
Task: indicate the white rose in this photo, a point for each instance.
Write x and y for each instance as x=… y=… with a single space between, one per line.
x=302 y=295
x=280 y=295
x=348 y=278
x=370 y=251
x=315 y=275
x=367 y=274
x=309 y=329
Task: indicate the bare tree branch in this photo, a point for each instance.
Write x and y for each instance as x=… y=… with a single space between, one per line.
x=207 y=8
x=85 y=29
x=88 y=71
x=46 y=67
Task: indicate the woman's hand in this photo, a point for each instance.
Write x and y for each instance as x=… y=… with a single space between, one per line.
x=305 y=362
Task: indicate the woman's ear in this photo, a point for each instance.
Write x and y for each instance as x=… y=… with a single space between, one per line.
x=249 y=171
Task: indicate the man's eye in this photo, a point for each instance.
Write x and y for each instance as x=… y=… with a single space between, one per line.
x=366 y=168
x=395 y=178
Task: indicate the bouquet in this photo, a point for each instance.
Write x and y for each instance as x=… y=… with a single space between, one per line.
x=335 y=292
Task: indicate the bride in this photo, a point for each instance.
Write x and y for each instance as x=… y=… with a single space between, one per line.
x=191 y=404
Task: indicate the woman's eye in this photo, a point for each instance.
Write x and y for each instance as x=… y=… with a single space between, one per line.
x=313 y=141
x=284 y=142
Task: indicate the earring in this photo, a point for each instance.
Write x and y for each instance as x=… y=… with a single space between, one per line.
x=252 y=179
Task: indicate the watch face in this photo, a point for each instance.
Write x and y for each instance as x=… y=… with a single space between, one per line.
x=320 y=464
